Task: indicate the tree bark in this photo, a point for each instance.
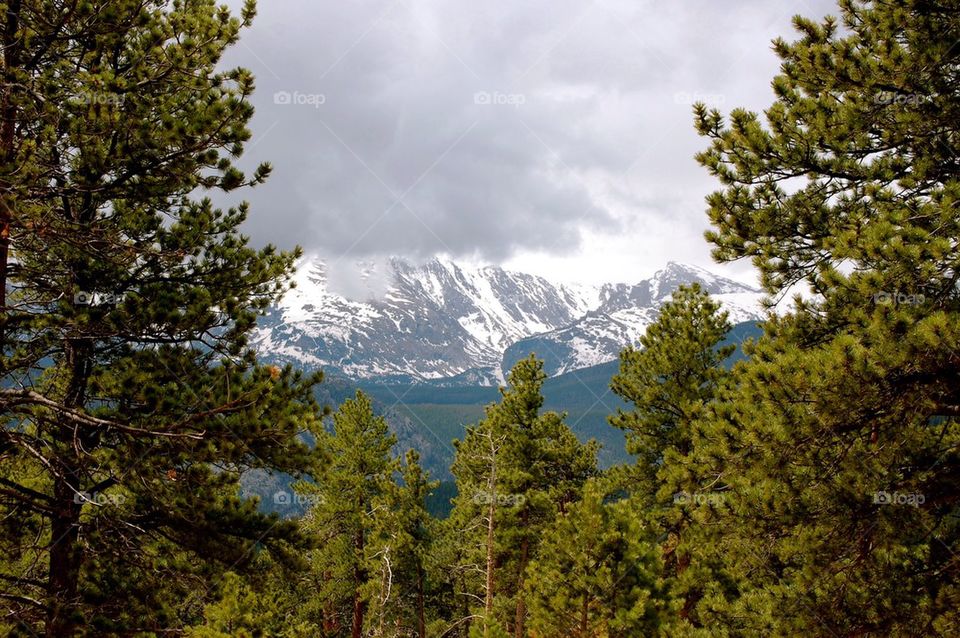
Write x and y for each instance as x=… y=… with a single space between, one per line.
x=65 y=551
x=488 y=600
x=359 y=605
x=521 y=614
x=585 y=617
x=386 y=585
x=330 y=624
x=421 y=606
x=65 y=558
x=12 y=46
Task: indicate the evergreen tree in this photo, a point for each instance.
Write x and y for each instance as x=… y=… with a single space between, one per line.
x=840 y=436
x=597 y=574
x=402 y=540
x=676 y=369
x=246 y=611
x=673 y=381
x=236 y=615
x=131 y=400
x=470 y=535
x=349 y=494
x=515 y=471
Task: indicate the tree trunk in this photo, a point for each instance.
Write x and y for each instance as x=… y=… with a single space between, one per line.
x=64 y=574
x=465 y=610
x=330 y=624
x=692 y=597
x=386 y=585
x=488 y=600
x=585 y=617
x=12 y=45
x=421 y=606
x=359 y=605
x=65 y=550
x=521 y=615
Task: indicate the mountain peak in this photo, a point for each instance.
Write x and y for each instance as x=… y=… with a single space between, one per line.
x=674 y=274
x=679 y=268
x=441 y=320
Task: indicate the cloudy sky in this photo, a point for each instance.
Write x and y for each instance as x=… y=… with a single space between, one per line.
x=550 y=136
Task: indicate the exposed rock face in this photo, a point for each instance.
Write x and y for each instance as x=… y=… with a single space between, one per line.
x=450 y=324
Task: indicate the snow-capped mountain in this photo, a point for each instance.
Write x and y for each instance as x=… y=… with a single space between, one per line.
x=456 y=324
x=623 y=315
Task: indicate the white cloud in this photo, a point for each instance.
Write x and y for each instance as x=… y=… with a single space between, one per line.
x=553 y=136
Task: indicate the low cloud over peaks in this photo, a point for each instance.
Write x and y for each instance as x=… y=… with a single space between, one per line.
x=495 y=129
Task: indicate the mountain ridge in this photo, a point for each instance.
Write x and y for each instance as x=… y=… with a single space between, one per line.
x=447 y=323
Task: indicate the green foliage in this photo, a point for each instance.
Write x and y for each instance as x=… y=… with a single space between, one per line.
x=669 y=379
x=862 y=119
x=810 y=489
x=348 y=508
x=598 y=573
x=238 y=613
x=515 y=471
x=674 y=382
x=853 y=395
x=488 y=629
x=131 y=400
x=402 y=540
x=243 y=612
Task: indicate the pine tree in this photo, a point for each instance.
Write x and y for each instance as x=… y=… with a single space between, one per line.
x=245 y=611
x=840 y=436
x=598 y=573
x=515 y=471
x=350 y=493
x=402 y=541
x=235 y=615
x=470 y=531
x=674 y=381
x=674 y=372
x=131 y=399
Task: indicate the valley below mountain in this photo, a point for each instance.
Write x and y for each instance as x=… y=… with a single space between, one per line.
x=432 y=350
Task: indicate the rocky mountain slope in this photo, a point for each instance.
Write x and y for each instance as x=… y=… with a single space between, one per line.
x=450 y=324
x=622 y=316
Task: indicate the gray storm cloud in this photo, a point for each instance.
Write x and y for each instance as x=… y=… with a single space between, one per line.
x=483 y=129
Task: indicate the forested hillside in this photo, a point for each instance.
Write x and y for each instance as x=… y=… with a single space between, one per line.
x=428 y=418
x=158 y=477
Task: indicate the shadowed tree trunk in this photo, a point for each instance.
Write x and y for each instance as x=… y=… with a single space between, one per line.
x=8 y=121
x=65 y=550
x=421 y=607
x=521 y=615
x=359 y=605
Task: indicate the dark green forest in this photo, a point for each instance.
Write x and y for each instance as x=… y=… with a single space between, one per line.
x=797 y=479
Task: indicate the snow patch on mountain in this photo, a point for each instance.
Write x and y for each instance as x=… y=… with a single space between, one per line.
x=447 y=321
x=623 y=316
